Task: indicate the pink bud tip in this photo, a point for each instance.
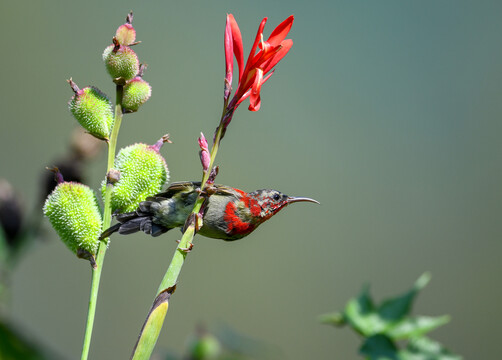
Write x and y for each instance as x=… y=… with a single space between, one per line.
x=158 y=145
x=203 y=142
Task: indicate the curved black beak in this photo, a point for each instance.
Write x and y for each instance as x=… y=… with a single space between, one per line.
x=293 y=199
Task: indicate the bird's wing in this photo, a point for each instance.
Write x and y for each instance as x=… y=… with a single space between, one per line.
x=189 y=186
x=175 y=188
x=224 y=190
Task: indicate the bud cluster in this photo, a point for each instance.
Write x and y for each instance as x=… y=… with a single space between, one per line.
x=123 y=66
x=140 y=171
x=91 y=107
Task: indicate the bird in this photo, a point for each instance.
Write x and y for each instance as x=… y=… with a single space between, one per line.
x=230 y=214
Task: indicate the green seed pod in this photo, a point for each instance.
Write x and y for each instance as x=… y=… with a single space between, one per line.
x=73 y=211
x=136 y=92
x=93 y=110
x=126 y=35
x=143 y=173
x=121 y=61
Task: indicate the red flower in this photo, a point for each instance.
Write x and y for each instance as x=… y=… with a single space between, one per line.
x=258 y=66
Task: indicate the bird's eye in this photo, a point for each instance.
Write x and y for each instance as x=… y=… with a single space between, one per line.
x=276 y=197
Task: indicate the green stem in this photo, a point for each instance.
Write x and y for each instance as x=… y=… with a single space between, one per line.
x=176 y=264
x=107 y=217
x=155 y=318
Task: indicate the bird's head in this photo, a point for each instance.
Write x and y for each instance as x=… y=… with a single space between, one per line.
x=272 y=201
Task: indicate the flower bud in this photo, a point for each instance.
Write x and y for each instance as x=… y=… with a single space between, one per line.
x=136 y=92
x=205 y=157
x=121 y=61
x=73 y=211
x=126 y=34
x=143 y=173
x=92 y=109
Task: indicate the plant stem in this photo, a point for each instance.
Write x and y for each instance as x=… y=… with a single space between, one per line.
x=107 y=217
x=176 y=264
x=155 y=318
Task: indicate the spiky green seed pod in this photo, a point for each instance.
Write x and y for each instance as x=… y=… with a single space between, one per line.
x=126 y=34
x=136 y=92
x=121 y=61
x=74 y=213
x=93 y=110
x=143 y=173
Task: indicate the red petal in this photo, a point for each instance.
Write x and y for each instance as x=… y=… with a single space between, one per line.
x=281 y=31
x=254 y=99
x=247 y=82
x=250 y=62
x=246 y=94
x=237 y=43
x=255 y=107
x=229 y=52
x=243 y=97
x=285 y=46
x=266 y=54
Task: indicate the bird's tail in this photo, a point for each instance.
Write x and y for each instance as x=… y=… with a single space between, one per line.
x=139 y=220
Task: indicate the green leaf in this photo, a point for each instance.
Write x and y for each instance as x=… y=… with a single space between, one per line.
x=424 y=348
x=150 y=332
x=395 y=309
x=390 y=322
x=379 y=347
x=415 y=327
x=152 y=326
x=360 y=313
x=336 y=319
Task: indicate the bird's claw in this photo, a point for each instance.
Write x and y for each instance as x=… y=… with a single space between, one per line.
x=187 y=249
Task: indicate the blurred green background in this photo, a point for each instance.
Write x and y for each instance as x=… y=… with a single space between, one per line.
x=387 y=112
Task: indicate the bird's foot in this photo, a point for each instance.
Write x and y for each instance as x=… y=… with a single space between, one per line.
x=187 y=249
